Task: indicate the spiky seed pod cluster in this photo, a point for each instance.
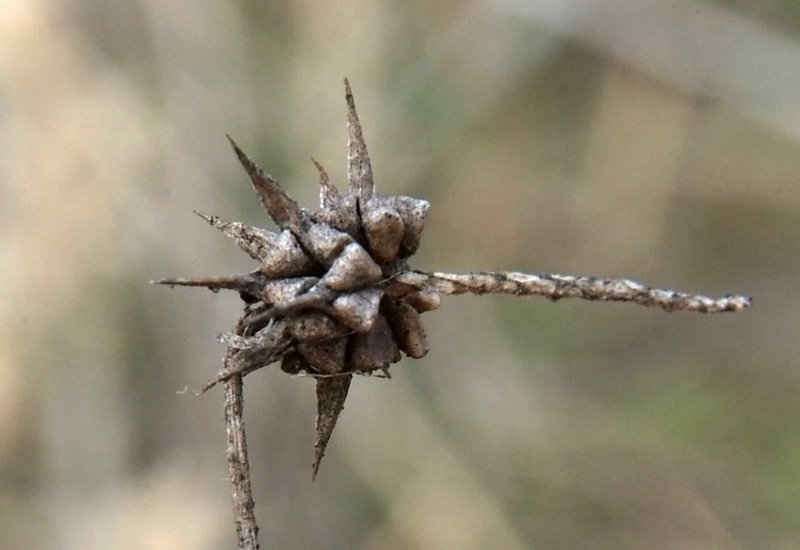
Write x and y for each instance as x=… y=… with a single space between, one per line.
x=322 y=301
x=323 y=271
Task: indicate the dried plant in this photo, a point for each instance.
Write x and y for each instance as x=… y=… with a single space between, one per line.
x=334 y=296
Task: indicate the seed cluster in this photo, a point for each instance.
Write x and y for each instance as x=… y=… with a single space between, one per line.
x=323 y=300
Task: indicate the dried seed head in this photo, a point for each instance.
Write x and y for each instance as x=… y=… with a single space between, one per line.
x=316 y=304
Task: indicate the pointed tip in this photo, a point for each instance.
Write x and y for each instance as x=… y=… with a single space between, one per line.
x=207 y=217
x=214 y=221
x=323 y=175
x=283 y=210
x=239 y=283
x=169 y=282
x=359 y=167
x=249 y=166
x=314 y=470
x=244 y=159
x=217 y=222
x=331 y=395
x=348 y=96
x=329 y=196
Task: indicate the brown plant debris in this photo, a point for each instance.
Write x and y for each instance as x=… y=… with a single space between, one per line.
x=333 y=295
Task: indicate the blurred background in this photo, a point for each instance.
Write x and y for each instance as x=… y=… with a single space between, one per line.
x=657 y=140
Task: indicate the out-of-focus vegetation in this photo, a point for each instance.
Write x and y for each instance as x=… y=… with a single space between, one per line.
x=659 y=142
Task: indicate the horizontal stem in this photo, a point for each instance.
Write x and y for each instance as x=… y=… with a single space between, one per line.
x=556 y=287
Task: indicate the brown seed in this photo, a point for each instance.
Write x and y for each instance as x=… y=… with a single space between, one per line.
x=353 y=269
x=409 y=332
x=384 y=230
x=286 y=258
x=358 y=310
x=424 y=301
x=326 y=243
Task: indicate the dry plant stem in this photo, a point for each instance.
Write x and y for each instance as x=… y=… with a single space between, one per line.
x=239 y=466
x=556 y=287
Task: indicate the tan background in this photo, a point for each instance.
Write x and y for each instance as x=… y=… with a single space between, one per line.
x=657 y=140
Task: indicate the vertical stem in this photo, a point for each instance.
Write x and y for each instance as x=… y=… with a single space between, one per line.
x=238 y=465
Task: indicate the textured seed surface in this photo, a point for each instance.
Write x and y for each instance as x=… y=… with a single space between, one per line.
x=317 y=302
x=358 y=310
x=354 y=268
x=384 y=229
